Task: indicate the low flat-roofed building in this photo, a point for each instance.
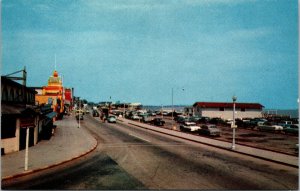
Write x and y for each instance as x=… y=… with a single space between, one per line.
x=224 y=110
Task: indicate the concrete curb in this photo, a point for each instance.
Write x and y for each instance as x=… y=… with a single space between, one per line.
x=52 y=165
x=220 y=147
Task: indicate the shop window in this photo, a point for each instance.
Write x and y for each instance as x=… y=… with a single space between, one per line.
x=8 y=127
x=221 y=109
x=243 y=109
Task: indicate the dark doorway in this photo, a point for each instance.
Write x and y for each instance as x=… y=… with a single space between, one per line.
x=23 y=138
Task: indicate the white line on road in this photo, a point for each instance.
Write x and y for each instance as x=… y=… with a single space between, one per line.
x=139 y=138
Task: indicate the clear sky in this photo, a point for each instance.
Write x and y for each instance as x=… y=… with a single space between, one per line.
x=138 y=50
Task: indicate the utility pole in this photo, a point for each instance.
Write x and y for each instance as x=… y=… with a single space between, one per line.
x=234 y=98
x=79 y=113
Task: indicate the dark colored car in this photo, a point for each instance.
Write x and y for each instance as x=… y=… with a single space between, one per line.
x=291 y=129
x=182 y=119
x=217 y=121
x=204 y=120
x=158 y=122
x=194 y=119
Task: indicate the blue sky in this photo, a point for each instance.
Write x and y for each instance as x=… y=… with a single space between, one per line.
x=138 y=50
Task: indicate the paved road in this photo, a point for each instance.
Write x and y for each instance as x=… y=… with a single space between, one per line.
x=128 y=157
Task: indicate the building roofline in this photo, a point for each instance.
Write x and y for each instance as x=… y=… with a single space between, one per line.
x=228 y=105
x=5 y=79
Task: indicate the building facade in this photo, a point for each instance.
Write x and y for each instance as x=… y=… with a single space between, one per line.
x=18 y=112
x=224 y=110
x=68 y=99
x=52 y=94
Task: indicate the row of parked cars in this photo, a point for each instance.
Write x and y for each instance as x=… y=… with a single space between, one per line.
x=206 y=129
x=260 y=124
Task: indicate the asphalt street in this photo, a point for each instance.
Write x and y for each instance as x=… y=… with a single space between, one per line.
x=164 y=162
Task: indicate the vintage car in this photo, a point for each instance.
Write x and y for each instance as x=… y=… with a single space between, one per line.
x=291 y=129
x=158 y=122
x=111 y=119
x=267 y=126
x=211 y=130
x=189 y=126
x=146 y=119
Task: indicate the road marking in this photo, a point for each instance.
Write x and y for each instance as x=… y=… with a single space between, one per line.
x=139 y=138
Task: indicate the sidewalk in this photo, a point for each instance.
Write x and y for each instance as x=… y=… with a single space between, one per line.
x=69 y=142
x=250 y=151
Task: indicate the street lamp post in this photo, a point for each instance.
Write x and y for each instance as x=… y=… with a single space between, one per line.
x=79 y=104
x=124 y=111
x=172 y=109
x=234 y=98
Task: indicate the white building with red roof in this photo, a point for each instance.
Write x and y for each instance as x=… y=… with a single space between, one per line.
x=224 y=110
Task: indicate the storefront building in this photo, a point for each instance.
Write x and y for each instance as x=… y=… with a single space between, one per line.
x=18 y=112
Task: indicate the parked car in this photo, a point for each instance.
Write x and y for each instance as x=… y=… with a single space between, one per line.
x=165 y=113
x=204 y=119
x=151 y=113
x=189 y=126
x=229 y=121
x=211 y=130
x=267 y=126
x=217 y=121
x=158 y=122
x=178 y=117
x=194 y=119
x=135 y=117
x=79 y=114
x=95 y=113
x=146 y=119
x=111 y=119
x=285 y=123
x=182 y=119
x=291 y=129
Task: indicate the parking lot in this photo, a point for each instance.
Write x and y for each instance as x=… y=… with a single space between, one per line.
x=266 y=140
